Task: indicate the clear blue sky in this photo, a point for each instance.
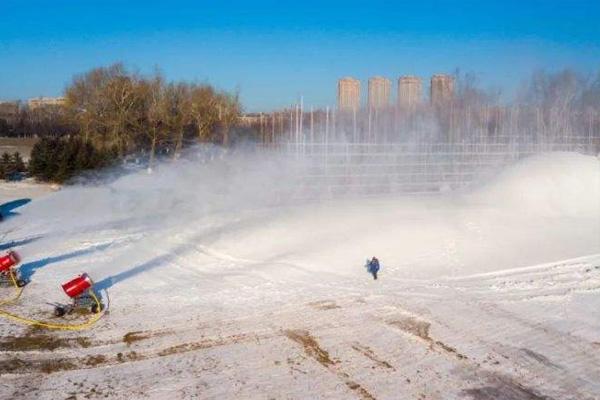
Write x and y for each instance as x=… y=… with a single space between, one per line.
x=274 y=52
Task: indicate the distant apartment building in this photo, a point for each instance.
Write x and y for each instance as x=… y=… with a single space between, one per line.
x=45 y=101
x=9 y=109
x=348 y=94
x=250 y=119
x=442 y=89
x=410 y=92
x=379 y=92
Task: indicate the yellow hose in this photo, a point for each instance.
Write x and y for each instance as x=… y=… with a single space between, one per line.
x=18 y=291
x=43 y=324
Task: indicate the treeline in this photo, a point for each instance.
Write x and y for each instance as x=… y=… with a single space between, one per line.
x=11 y=165
x=549 y=107
x=57 y=159
x=20 y=121
x=124 y=111
x=111 y=113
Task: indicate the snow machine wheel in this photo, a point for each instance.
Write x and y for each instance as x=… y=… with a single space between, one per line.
x=96 y=309
x=21 y=283
x=59 y=311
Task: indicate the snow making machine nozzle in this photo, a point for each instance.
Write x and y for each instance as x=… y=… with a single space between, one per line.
x=81 y=292
x=9 y=273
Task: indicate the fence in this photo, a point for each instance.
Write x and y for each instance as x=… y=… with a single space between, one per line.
x=341 y=169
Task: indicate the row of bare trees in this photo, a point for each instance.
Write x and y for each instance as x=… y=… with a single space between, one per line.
x=124 y=112
x=550 y=106
x=17 y=120
x=115 y=108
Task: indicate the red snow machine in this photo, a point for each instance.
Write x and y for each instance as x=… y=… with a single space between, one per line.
x=9 y=273
x=81 y=292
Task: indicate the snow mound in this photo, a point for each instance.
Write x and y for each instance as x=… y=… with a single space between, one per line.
x=549 y=184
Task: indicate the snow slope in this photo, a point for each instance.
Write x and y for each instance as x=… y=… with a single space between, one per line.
x=552 y=184
x=235 y=290
x=26 y=188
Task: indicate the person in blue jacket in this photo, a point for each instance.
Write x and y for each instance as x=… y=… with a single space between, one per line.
x=373 y=267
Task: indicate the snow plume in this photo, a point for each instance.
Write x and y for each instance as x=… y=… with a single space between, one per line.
x=208 y=180
x=222 y=213
x=549 y=184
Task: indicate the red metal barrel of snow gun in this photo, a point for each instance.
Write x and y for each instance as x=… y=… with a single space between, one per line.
x=9 y=260
x=77 y=286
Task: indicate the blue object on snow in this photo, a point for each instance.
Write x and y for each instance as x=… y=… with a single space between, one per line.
x=373 y=267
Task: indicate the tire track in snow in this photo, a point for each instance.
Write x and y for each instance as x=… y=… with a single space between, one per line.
x=313 y=349
x=501 y=330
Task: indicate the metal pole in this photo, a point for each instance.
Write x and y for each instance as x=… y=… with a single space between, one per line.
x=290 y=133
x=297 y=126
x=301 y=115
x=333 y=123
x=326 y=123
x=369 y=127
x=354 y=138
x=272 y=127
x=262 y=133
x=312 y=125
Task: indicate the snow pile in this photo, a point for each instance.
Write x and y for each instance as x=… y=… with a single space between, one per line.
x=551 y=184
x=239 y=214
x=502 y=225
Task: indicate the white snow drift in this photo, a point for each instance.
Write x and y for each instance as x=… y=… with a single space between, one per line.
x=217 y=267
x=543 y=208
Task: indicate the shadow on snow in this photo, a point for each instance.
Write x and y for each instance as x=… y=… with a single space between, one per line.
x=121 y=276
x=6 y=209
x=27 y=270
x=17 y=243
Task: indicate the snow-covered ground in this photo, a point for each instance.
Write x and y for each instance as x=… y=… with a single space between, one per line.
x=219 y=288
x=24 y=189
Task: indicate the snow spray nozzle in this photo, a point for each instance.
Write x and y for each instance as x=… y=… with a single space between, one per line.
x=9 y=260
x=77 y=286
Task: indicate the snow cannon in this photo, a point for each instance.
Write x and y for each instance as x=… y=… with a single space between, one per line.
x=9 y=260
x=77 y=286
x=81 y=291
x=9 y=274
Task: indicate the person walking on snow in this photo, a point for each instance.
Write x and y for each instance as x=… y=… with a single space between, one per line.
x=373 y=267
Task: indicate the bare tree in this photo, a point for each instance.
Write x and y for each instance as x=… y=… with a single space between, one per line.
x=204 y=110
x=156 y=114
x=177 y=108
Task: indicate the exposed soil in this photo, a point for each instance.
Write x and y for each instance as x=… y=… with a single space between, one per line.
x=205 y=344
x=367 y=352
x=41 y=342
x=413 y=326
x=324 y=305
x=16 y=365
x=315 y=351
x=505 y=391
x=137 y=336
x=420 y=329
x=311 y=346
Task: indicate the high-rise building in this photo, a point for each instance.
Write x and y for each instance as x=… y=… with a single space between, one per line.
x=410 y=92
x=442 y=89
x=379 y=92
x=348 y=94
x=45 y=101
